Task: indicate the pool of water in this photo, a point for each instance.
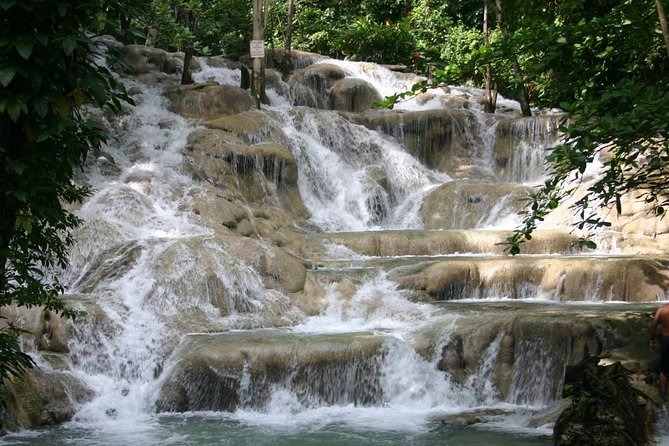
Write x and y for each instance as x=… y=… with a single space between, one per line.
x=217 y=429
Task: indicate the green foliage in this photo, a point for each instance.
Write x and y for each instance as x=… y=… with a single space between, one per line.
x=612 y=71
x=224 y=26
x=371 y=41
x=49 y=72
x=13 y=361
x=370 y=30
x=385 y=10
x=165 y=19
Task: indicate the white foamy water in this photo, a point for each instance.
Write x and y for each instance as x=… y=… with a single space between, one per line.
x=376 y=305
x=147 y=272
x=352 y=178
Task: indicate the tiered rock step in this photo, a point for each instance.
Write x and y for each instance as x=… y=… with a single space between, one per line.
x=225 y=371
x=432 y=264
x=530 y=344
x=435 y=242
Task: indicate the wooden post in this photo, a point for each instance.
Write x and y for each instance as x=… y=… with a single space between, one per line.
x=490 y=94
x=663 y=23
x=287 y=62
x=258 y=67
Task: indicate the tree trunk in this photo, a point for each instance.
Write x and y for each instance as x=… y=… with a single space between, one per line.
x=523 y=97
x=287 y=61
x=187 y=18
x=663 y=23
x=258 y=65
x=490 y=95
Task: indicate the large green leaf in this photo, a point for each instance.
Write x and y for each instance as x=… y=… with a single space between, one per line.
x=6 y=75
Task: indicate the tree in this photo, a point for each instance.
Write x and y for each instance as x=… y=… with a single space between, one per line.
x=523 y=97
x=611 y=71
x=49 y=70
x=260 y=11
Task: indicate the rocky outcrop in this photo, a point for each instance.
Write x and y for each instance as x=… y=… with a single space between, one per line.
x=353 y=95
x=40 y=398
x=605 y=408
x=561 y=279
x=240 y=370
x=255 y=185
x=150 y=65
x=208 y=101
x=465 y=204
x=320 y=77
x=532 y=345
x=425 y=242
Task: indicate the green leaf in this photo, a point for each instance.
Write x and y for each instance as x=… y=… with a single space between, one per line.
x=25 y=49
x=6 y=75
x=6 y=4
x=42 y=38
x=62 y=9
x=23 y=222
x=69 y=45
x=14 y=110
x=17 y=167
x=41 y=106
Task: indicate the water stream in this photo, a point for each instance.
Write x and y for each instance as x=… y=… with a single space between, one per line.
x=372 y=366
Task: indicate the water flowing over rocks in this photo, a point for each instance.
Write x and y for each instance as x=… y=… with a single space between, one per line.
x=319 y=253
x=228 y=371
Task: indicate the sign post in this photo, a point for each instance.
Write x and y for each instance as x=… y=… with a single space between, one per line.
x=257 y=48
x=257 y=52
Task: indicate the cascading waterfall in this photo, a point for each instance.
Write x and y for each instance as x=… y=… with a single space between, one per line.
x=351 y=178
x=180 y=316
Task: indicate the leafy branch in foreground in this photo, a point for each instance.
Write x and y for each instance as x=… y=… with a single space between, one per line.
x=49 y=71
x=627 y=130
x=439 y=78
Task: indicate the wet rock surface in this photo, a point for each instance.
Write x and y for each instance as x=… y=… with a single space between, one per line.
x=280 y=269
x=605 y=408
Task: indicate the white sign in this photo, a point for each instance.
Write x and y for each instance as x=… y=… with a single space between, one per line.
x=257 y=48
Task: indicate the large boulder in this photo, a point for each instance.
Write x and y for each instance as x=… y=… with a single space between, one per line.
x=208 y=101
x=40 y=397
x=470 y=205
x=227 y=371
x=140 y=59
x=353 y=95
x=311 y=86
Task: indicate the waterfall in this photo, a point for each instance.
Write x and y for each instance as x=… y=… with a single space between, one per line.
x=300 y=274
x=350 y=177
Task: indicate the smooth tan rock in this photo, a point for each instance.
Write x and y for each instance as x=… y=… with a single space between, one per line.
x=279 y=269
x=208 y=101
x=353 y=95
x=468 y=205
x=554 y=278
x=140 y=59
x=433 y=242
x=40 y=398
x=216 y=372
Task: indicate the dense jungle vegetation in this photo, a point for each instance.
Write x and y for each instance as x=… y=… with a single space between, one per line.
x=605 y=63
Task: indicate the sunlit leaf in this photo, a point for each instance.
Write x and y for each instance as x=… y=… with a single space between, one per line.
x=6 y=75
x=25 y=49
